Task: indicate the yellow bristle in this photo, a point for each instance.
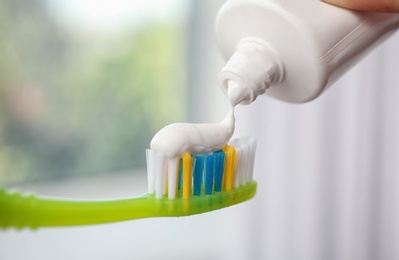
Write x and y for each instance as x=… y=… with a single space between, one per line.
x=186 y=184
x=228 y=176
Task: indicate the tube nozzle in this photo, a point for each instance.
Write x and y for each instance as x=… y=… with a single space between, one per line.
x=251 y=69
x=236 y=93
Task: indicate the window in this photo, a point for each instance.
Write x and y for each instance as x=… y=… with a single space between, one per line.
x=85 y=84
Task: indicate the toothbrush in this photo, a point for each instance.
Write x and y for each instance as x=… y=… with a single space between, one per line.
x=194 y=184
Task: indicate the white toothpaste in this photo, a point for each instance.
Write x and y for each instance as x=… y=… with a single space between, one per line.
x=175 y=139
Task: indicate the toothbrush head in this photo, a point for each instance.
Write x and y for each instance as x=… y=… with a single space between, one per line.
x=200 y=183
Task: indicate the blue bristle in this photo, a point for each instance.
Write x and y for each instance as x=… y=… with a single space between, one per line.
x=197 y=174
x=209 y=167
x=219 y=167
x=180 y=182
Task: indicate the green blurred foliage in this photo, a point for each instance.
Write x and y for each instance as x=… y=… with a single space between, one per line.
x=77 y=106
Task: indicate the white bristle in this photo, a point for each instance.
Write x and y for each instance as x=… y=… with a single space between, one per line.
x=245 y=147
x=150 y=171
x=160 y=175
x=245 y=167
x=252 y=143
x=173 y=167
x=237 y=166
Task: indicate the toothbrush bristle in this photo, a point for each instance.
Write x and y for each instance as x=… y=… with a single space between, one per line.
x=197 y=174
x=219 y=167
x=209 y=173
x=204 y=174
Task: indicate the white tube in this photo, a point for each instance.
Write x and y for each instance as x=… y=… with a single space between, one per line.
x=298 y=48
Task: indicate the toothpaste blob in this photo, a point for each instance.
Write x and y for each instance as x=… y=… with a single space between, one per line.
x=175 y=139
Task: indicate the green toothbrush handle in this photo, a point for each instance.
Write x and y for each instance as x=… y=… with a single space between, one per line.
x=19 y=210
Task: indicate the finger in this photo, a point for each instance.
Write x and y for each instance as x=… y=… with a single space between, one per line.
x=390 y=6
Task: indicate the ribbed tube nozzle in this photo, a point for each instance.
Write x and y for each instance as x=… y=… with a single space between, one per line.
x=252 y=69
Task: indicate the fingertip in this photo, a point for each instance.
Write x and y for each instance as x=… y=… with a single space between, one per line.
x=386 y=6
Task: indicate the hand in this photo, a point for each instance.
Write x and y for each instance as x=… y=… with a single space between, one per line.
x=389 y=6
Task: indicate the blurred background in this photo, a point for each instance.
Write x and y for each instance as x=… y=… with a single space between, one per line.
x=86 y=84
